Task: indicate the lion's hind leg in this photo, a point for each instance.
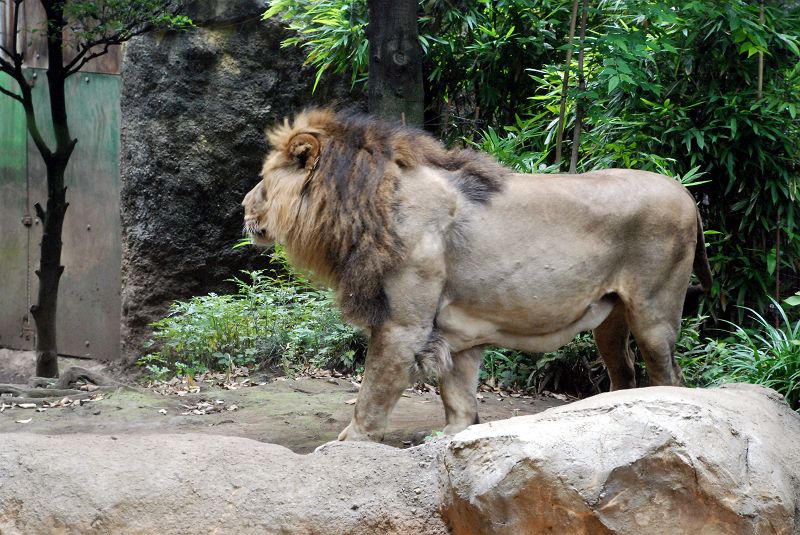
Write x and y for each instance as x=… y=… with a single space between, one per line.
x=656 y=331
x=611 y=338
x=458 y=386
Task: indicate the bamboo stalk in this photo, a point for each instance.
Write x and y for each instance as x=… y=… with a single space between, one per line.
x=761 y=54
x=565 y=84
x=579 y=104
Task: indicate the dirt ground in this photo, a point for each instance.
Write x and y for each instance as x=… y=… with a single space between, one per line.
x=299 y=414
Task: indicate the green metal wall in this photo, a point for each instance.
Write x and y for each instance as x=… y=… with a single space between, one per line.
x=13 y=235
x=89 y=299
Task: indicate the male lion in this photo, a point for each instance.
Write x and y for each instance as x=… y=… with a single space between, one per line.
x=438 y=253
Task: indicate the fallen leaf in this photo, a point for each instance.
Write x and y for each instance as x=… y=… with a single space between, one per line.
x=351 y=401
x=24 y=421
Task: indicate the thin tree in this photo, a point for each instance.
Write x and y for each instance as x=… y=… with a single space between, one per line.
x=580 y=104
x=77 y=31
x=565 y=84
x=395 y=61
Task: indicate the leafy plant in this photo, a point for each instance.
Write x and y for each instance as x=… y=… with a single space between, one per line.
x=333 y=33
x=574 y=368
x=272 y=319
x=768 y=355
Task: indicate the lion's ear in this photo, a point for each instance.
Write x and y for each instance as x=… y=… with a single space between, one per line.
x=305 y=148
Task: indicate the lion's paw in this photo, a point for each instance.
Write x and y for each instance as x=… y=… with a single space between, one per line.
x=351 y=433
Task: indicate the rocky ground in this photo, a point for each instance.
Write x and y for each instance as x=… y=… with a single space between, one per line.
x=299 y=414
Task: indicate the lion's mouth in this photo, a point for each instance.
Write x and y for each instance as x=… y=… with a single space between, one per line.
x=253 y=230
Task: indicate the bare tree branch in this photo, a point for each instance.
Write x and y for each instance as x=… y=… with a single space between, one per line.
x=15 y=31
x=12 y=95
x=33 y=127
x=8 y=68
x=82 y=58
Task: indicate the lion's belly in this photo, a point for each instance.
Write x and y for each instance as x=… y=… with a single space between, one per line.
x=464 y=328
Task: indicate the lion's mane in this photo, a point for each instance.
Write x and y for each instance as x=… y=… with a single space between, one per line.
x=342 y=223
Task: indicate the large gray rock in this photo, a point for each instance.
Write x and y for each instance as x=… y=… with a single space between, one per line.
x=651 y=461
x=179 y=484
x=658 y=460
x=194 y=108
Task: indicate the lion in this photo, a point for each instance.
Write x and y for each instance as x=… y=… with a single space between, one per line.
x=438 y=253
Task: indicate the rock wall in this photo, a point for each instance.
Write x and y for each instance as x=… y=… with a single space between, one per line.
x=194 y=108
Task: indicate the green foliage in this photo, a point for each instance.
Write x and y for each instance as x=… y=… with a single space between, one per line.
x=272 y=319
x=333 y=33
x=670 y=87
x=767 y=355
x=575 y=368
x=673 y=88
x=96 y=21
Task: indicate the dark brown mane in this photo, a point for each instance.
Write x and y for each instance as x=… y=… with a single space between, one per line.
x=349 y=233
x=476 y=175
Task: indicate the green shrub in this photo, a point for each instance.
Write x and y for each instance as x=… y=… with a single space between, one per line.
x=574 y=368
x=767 y=355
x=272 y=319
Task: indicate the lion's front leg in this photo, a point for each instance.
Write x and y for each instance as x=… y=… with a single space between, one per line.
x=388 y=371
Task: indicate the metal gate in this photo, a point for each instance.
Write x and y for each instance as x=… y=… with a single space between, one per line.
x=88 y=321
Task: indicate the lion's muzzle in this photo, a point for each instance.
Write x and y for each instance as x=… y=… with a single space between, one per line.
x=253 y=222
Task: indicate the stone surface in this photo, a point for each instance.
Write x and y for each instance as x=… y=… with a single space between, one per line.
x=194 y=108
x=662 y=460
x=650 y=461
x=178 y=484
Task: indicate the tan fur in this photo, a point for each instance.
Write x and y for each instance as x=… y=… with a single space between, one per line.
x=440 y=253
x=339 y=221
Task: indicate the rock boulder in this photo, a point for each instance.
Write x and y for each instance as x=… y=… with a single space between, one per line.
x=661 y=460
x=654 y=461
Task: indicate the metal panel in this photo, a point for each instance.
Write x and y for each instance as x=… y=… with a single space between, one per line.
x=32 y=39
x=89 y=297
x=13 y=235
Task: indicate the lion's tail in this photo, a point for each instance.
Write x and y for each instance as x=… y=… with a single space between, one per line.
x=702 y=270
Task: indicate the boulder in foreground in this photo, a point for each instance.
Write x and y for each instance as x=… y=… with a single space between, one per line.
x=652 y=461
x=657 y=460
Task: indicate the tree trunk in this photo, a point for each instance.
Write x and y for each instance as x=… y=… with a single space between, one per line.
x=50 y=268
x=395 y=61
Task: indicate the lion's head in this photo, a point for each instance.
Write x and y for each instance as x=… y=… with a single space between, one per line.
x=329 y=194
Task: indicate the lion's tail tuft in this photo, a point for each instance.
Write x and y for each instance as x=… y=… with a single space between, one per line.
x=434 y=357
x=702 y=270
